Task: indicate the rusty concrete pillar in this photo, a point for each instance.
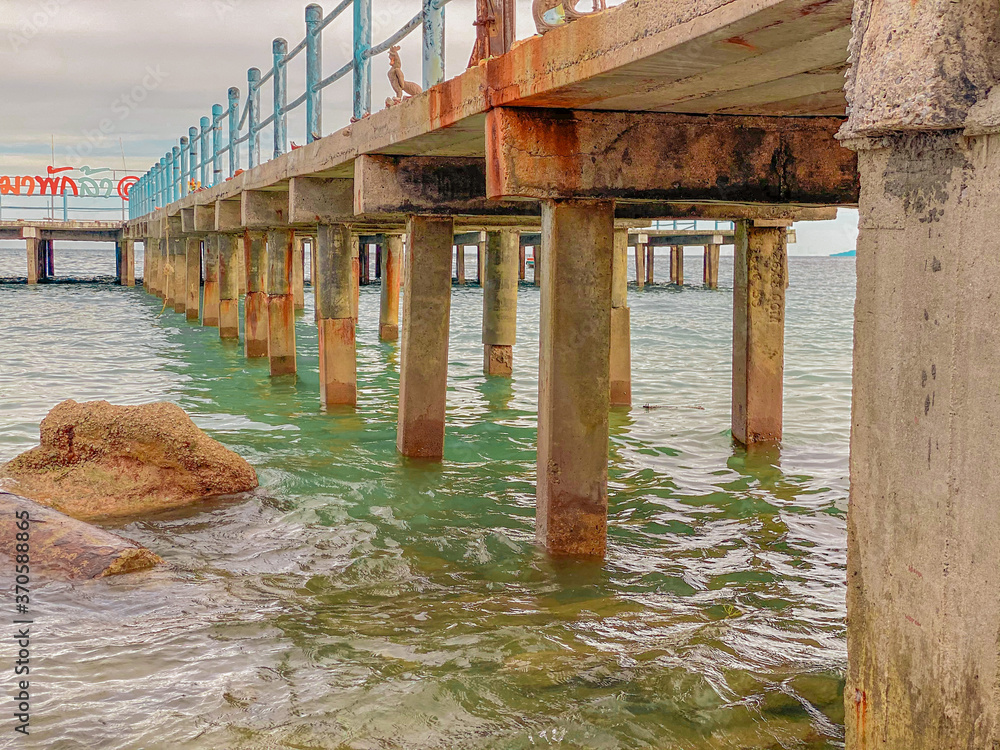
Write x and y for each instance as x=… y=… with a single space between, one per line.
x=760 y=269
x=313 y=277
x=178 y=248
x=392 y=259
x=230 y=247
x=500 y=302
x=151 y=268
x=192 y=298
x=280 y=302
x=460 y=264
x=537 y=256
x=128 y=262
x=620 y=372
x=573 y=377
x=356 y=271
x=299 y=274
x=241 y=269
x=164 y=271
x=423 y=373
x=481 y=258
x=710 y=272
x=210 y=304
x=255 y=312
x=520 y=262
x=650 y=256
x=677 y=265
x=335 y=282
x=33 y=246
x=640 y=263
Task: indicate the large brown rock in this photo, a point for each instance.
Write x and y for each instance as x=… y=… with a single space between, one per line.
x=98 y=460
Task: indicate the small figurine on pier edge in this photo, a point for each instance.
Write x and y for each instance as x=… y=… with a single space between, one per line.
x=400 y=85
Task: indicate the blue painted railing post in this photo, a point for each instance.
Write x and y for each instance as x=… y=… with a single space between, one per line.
x=362 y=65
x=158 y=186
x=185 y=163
x=175 y=186
x=234 y=130
x=253 y=117
x=193 y=136
x=66 y=207
x=279 y=48
x=161 y=184
x=433 y=43
x=206 y=127
x=314 y=71
x=216 y=144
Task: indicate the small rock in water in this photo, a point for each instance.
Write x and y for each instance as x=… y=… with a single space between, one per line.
x=98 y=460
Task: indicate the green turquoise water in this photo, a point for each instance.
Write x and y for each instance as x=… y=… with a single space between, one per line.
x=358 y=600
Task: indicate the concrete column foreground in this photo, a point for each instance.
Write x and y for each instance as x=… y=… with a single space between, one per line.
x=620 y=372
x=392 y=260
x=192 y=297
x=33 y=246
x=210 y=312
x=255 y=325
x=335 y=283
x=710 y=269
x=230 y=248
x=280 y=302
x=500 y=302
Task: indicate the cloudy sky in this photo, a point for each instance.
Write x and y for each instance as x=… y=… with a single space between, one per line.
x=91 y=79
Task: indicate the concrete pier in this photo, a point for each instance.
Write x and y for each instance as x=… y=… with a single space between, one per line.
x=500 y=302
x=423 y=374
x=151 y=271
x=536 y=255
x=299 y=273
x=355 y=277
x=460 y=264
x=760 y=271
x=230 y=249
x=35 y=261
x=650 y=256
x=521 y=262
x=620 y=372
x=192 y=298
x=255 y=308
x=335 y=283
x=128 y=262
x=677 y=265
x=573 y=377
x=710 y=267
x=392 y=260
x=180 y=264
x=481 y=258
x=280 y=302
x=210 y=304
x=640 y=264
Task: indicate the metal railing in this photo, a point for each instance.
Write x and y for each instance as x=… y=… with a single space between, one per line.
x=61 y=207
x=197 y=160
x=693 y=225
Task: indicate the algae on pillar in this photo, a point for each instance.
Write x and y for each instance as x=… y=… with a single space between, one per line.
x=230 y=248
x=500 y=302
x=573 y=376
x=280 y=302
x=620 y=372
x=423 y=373
x=255 y=325
x=760 y=270
x=392 y=259
x=211 y=305
x=335 y=284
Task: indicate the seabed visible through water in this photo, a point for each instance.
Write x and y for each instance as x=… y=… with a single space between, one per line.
x=361 y=600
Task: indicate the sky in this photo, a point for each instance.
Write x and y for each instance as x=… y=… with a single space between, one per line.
x=115 y=83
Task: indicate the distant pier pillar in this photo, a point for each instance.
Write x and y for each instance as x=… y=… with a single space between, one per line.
x=573 y=378
x=481 y=257
x=760 y=270
x=280 y=302
x=35 y=261
x=620 y=373
x=500 y=302
x=356 y=276
x=230 y=248
x=129 y=246
x=460 y=264
x=640 y=262
x=536 y=255
x=710 y=270
x=335 y=282
x=392 y=260
x=423 y=375
x=299 y=273
x=49 y=266
x=211 y=304
x=520 y=262
x=677 y=265
x=192 y=298
x=179 y=264
x=255 y=325
x=650 y=257
x=313 y=277
x=151 y=271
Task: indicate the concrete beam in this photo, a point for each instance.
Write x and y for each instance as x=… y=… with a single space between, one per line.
x=264 y=209
x=536 y=153
x=187 y=220
x=204 y=217
x=320 y=200
x=229 y=216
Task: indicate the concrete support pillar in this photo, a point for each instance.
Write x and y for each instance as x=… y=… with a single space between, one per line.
x=500 y=302
x=255 y=325
x=520 y=262
x=244 y=285
x=460 y=264
x=151 y=273
x=573 y=378
x=313 y=277
x=299 y=274
x=536 y=254
x=640 y=265
x=710 y=272
x=760 y=269
x=481 y=258
x=128 y=262
x=167 y=272
x=335 y=282
x=392 y=260
x=620 y=373
x=50 y=259
x=33 y=246
x=280 y=302
x=230 y=247
x=179 y=252
x=378 y=260
x=677 y=265
x=650 y=256
x=192 y=299
x=423 y=375
x=356 y=271
x=210 y=313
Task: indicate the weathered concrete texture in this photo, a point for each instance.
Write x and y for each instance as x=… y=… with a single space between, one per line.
x=640 y=265
x=280 y=302
x=620 y=372
x=923 y=525
x=192 y=299
x=548 y=153
x=255 y=326
x=356 y=277
x=920 y=66
x=392 y=259
x=500 y=302
x=677 y=265
x=423 y=372
x=210 y=313
x=536 y=256
x=34 y=259
x=230 y=249
x=650 y=258
x=152 y=271
x=335 y=303
x=460 y=264
x=573 y=378
x=710 y=267
x=180 y=263
x=760 y=271
x=299 y=273
x=128 y=262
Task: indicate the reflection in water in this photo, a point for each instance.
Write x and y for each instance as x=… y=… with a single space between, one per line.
x=359 y=600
